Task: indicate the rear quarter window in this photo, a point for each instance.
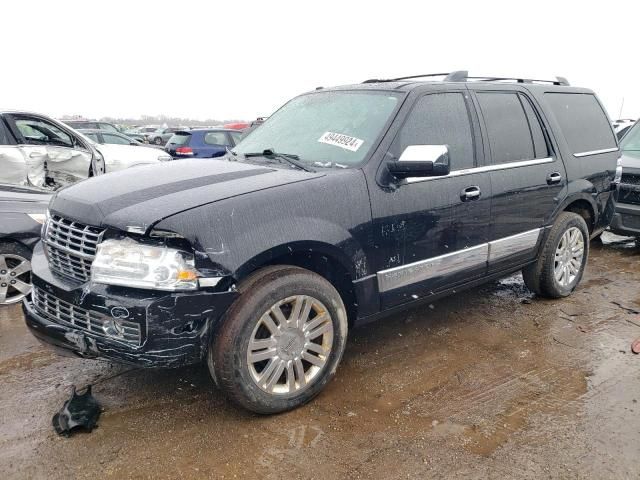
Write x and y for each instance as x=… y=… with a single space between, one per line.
x=215 y=138
x=582 y=120
x=179 y=139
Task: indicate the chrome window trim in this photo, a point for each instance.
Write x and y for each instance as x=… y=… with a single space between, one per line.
x=486 y=168
x=404 y=275
x=596 y=152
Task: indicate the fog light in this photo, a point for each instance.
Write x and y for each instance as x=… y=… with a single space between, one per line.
x=113 y=328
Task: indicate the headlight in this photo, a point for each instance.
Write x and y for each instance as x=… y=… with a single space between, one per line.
x=618 y=177
x=132 y=264
x=164 y=158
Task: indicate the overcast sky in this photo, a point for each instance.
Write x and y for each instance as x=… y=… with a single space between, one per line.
x=242 y=59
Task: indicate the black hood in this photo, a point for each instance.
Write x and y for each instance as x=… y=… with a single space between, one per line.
x=137 y=198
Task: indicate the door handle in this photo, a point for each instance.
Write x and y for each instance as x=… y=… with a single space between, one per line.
x=554 y=178
x=36 y=154
x=470 y=193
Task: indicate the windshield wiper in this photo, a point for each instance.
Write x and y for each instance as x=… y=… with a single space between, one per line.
x=290 y=158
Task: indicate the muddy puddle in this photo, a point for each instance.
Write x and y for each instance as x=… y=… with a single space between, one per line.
x=491 y=383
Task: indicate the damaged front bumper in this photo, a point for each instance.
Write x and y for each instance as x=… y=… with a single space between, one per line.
x=626 y=220
x=140 y=327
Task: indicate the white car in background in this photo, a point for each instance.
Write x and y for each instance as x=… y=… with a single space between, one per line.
x=120 y=151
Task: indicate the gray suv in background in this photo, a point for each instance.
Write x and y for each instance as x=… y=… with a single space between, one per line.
x=626 y=220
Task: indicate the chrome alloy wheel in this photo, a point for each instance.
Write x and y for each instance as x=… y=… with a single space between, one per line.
x=568 y=256
x=15 y=282
x=290 y=345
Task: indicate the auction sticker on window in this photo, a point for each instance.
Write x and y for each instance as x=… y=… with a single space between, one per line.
x=342 y=141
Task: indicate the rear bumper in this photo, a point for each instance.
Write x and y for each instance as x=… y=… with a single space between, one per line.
x=626 y=220
x=175 y=327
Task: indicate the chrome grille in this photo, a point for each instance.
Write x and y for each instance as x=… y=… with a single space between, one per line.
x=65 y=313
x=71 y=247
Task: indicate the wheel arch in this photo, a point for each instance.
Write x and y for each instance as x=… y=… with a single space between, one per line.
x=584 y=205
x=326 y=260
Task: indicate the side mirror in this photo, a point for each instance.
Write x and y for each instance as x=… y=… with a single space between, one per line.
x=421 y=161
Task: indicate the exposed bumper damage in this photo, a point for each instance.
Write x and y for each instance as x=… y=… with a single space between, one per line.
x=174 y=327
x=626 y=220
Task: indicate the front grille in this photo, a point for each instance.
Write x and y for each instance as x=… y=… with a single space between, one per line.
x=630 y=179
x=59 y=311
x=71 y=247
x=629 y=189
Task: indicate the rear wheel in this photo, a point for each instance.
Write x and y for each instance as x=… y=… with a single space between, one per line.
x=560 y=267
x=158 y=141
x=281 y=341
x=15 y=273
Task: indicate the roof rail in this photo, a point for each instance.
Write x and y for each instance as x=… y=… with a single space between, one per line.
x=463 y=76
x=377 y=80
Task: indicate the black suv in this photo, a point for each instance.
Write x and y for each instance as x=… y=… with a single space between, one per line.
x=627 y=217
x=347 y=204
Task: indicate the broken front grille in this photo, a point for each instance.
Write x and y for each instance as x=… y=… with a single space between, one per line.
x=629 y=189
x=65 y=313
x=71 y=247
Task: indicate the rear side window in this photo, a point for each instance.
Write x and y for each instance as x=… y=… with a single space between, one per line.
x=107 y=127
x=237 y=136
x=440 y=119
x=582 y=120
x=180 y=138
x=509 y=128
x=215 y=138
x=115 y=139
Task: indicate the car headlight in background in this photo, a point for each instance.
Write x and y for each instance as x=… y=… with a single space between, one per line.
x=164 y=158
x=132 y=264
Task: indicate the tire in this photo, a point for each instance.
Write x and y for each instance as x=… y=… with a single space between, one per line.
x=15 y=272
x=541 y=277
x=275 y=375
x=158 y=141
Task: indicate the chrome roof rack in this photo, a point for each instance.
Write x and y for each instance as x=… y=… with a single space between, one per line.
x=463 y=76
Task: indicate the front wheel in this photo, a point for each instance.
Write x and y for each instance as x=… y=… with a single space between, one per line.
x=281 y=341
x=158 y=141
x=560 y=267
x=15 y=273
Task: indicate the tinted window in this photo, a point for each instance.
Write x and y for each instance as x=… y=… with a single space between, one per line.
x=179 y=139
x=93 y=136
x=107 y=127
x=39 y=132
x=440 y=119
x=4 y=136
x=115 y=139
x=582 y=120
x=507 y=127
x=215 y=138
x=236 y=136
x=541 y=150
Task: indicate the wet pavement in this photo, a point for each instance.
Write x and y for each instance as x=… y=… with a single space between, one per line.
x=491 y=383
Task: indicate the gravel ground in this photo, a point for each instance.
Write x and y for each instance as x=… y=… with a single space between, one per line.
x=491 y=383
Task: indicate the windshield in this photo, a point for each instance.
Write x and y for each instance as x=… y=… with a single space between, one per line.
x=325 y=128
x=631 y=140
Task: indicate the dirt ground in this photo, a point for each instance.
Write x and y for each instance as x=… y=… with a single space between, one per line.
x=491 y=383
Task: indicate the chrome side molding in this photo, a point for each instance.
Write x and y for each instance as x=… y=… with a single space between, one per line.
x=595 y=152
x=487 y=253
